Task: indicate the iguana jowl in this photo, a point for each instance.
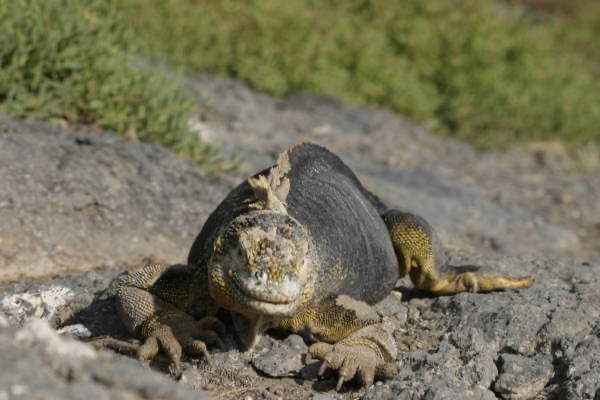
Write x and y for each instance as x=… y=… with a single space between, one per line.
x=301 y=246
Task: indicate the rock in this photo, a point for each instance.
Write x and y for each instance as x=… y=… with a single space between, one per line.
x=76 y=330
x=79 y=304
x=77 y=200
x=478 y=358
x=285 y=358
x=319 y=396
x=41 y=303
x=521 y=377
x=38 y=363
x=434 y=387
x=520 y=322
x=550 y=331
x=392 y=306
x=230 y=369
x=440 y=370
x=581 y=367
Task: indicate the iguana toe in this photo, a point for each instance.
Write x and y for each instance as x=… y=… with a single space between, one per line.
x=347 y=371
x=207 y=330
x=163 y=339
x=149 y=349
x=195 y=335
x=198 y=348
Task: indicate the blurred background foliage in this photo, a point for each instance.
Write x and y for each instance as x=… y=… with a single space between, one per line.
x=73 y=62
x=488 y=71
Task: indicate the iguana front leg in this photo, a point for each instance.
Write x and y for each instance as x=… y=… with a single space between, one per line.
x=152 y=301
x=420 y=256
x=352 y=339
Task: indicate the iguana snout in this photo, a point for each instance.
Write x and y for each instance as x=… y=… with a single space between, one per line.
x=258 y=286
x=259 y=264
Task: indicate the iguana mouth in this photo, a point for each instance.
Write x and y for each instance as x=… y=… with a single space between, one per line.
x=235 y=293
x=266 y=292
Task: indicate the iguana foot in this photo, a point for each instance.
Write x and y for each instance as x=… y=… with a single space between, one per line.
x=170 y=338
x=366 y=355
x=474 y=281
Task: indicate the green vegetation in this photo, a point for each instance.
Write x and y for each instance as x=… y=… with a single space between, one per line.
x=72 y=61
x=476 y=70
x=470 y=68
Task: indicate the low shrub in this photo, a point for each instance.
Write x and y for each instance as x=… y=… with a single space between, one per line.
x=73 y=61
x=483 y=70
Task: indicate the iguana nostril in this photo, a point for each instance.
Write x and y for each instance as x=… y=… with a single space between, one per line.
x=259 y=276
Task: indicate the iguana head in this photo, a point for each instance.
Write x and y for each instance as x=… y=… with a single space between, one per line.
x=260 y=265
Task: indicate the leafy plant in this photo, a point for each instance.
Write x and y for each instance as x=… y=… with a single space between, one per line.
x=478 y=70
x=74 y=61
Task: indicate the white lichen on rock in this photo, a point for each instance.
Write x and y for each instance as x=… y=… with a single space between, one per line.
x=39 y=304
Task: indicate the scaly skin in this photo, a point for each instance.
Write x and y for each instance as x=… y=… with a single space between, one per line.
x=304 y=247
x=420 y=256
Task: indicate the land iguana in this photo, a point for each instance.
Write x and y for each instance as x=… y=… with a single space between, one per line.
x=301 y=246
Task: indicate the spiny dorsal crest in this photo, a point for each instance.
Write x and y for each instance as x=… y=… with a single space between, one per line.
x=272 y=190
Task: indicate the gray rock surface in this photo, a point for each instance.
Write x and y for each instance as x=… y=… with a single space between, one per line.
x=521 y=377
x=285 y=358
x=39 y=364
x=76 y=200
x=79 y=207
